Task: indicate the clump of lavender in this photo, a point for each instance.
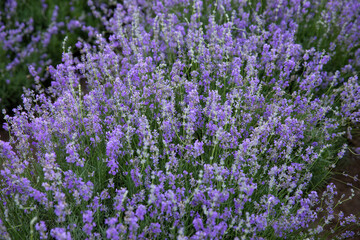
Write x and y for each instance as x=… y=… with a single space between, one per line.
x=198 y=121
x=31 y=33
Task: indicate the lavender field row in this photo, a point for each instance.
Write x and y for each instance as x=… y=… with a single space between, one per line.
x=179 y=119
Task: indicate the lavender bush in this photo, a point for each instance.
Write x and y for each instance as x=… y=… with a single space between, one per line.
x=199 y=120
x=31 y=34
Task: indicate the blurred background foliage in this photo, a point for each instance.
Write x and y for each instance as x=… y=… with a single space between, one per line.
x=32 y=33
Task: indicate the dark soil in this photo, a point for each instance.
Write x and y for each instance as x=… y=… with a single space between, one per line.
x=344 y=180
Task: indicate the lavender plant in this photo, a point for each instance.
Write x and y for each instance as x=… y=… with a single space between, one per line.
x=199 y=120
x=31 y=34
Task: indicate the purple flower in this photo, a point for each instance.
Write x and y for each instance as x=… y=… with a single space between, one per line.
x=88 y=220
x=41 y=228
x=60 y=234
x=155 y=228
x=198 y=223
x=140 y=212
x=119 y=199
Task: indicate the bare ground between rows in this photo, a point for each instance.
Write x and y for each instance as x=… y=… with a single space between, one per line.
x=343 y=179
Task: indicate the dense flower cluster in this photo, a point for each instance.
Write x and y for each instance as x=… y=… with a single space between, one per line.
x=31 y=33
x=199 y=120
